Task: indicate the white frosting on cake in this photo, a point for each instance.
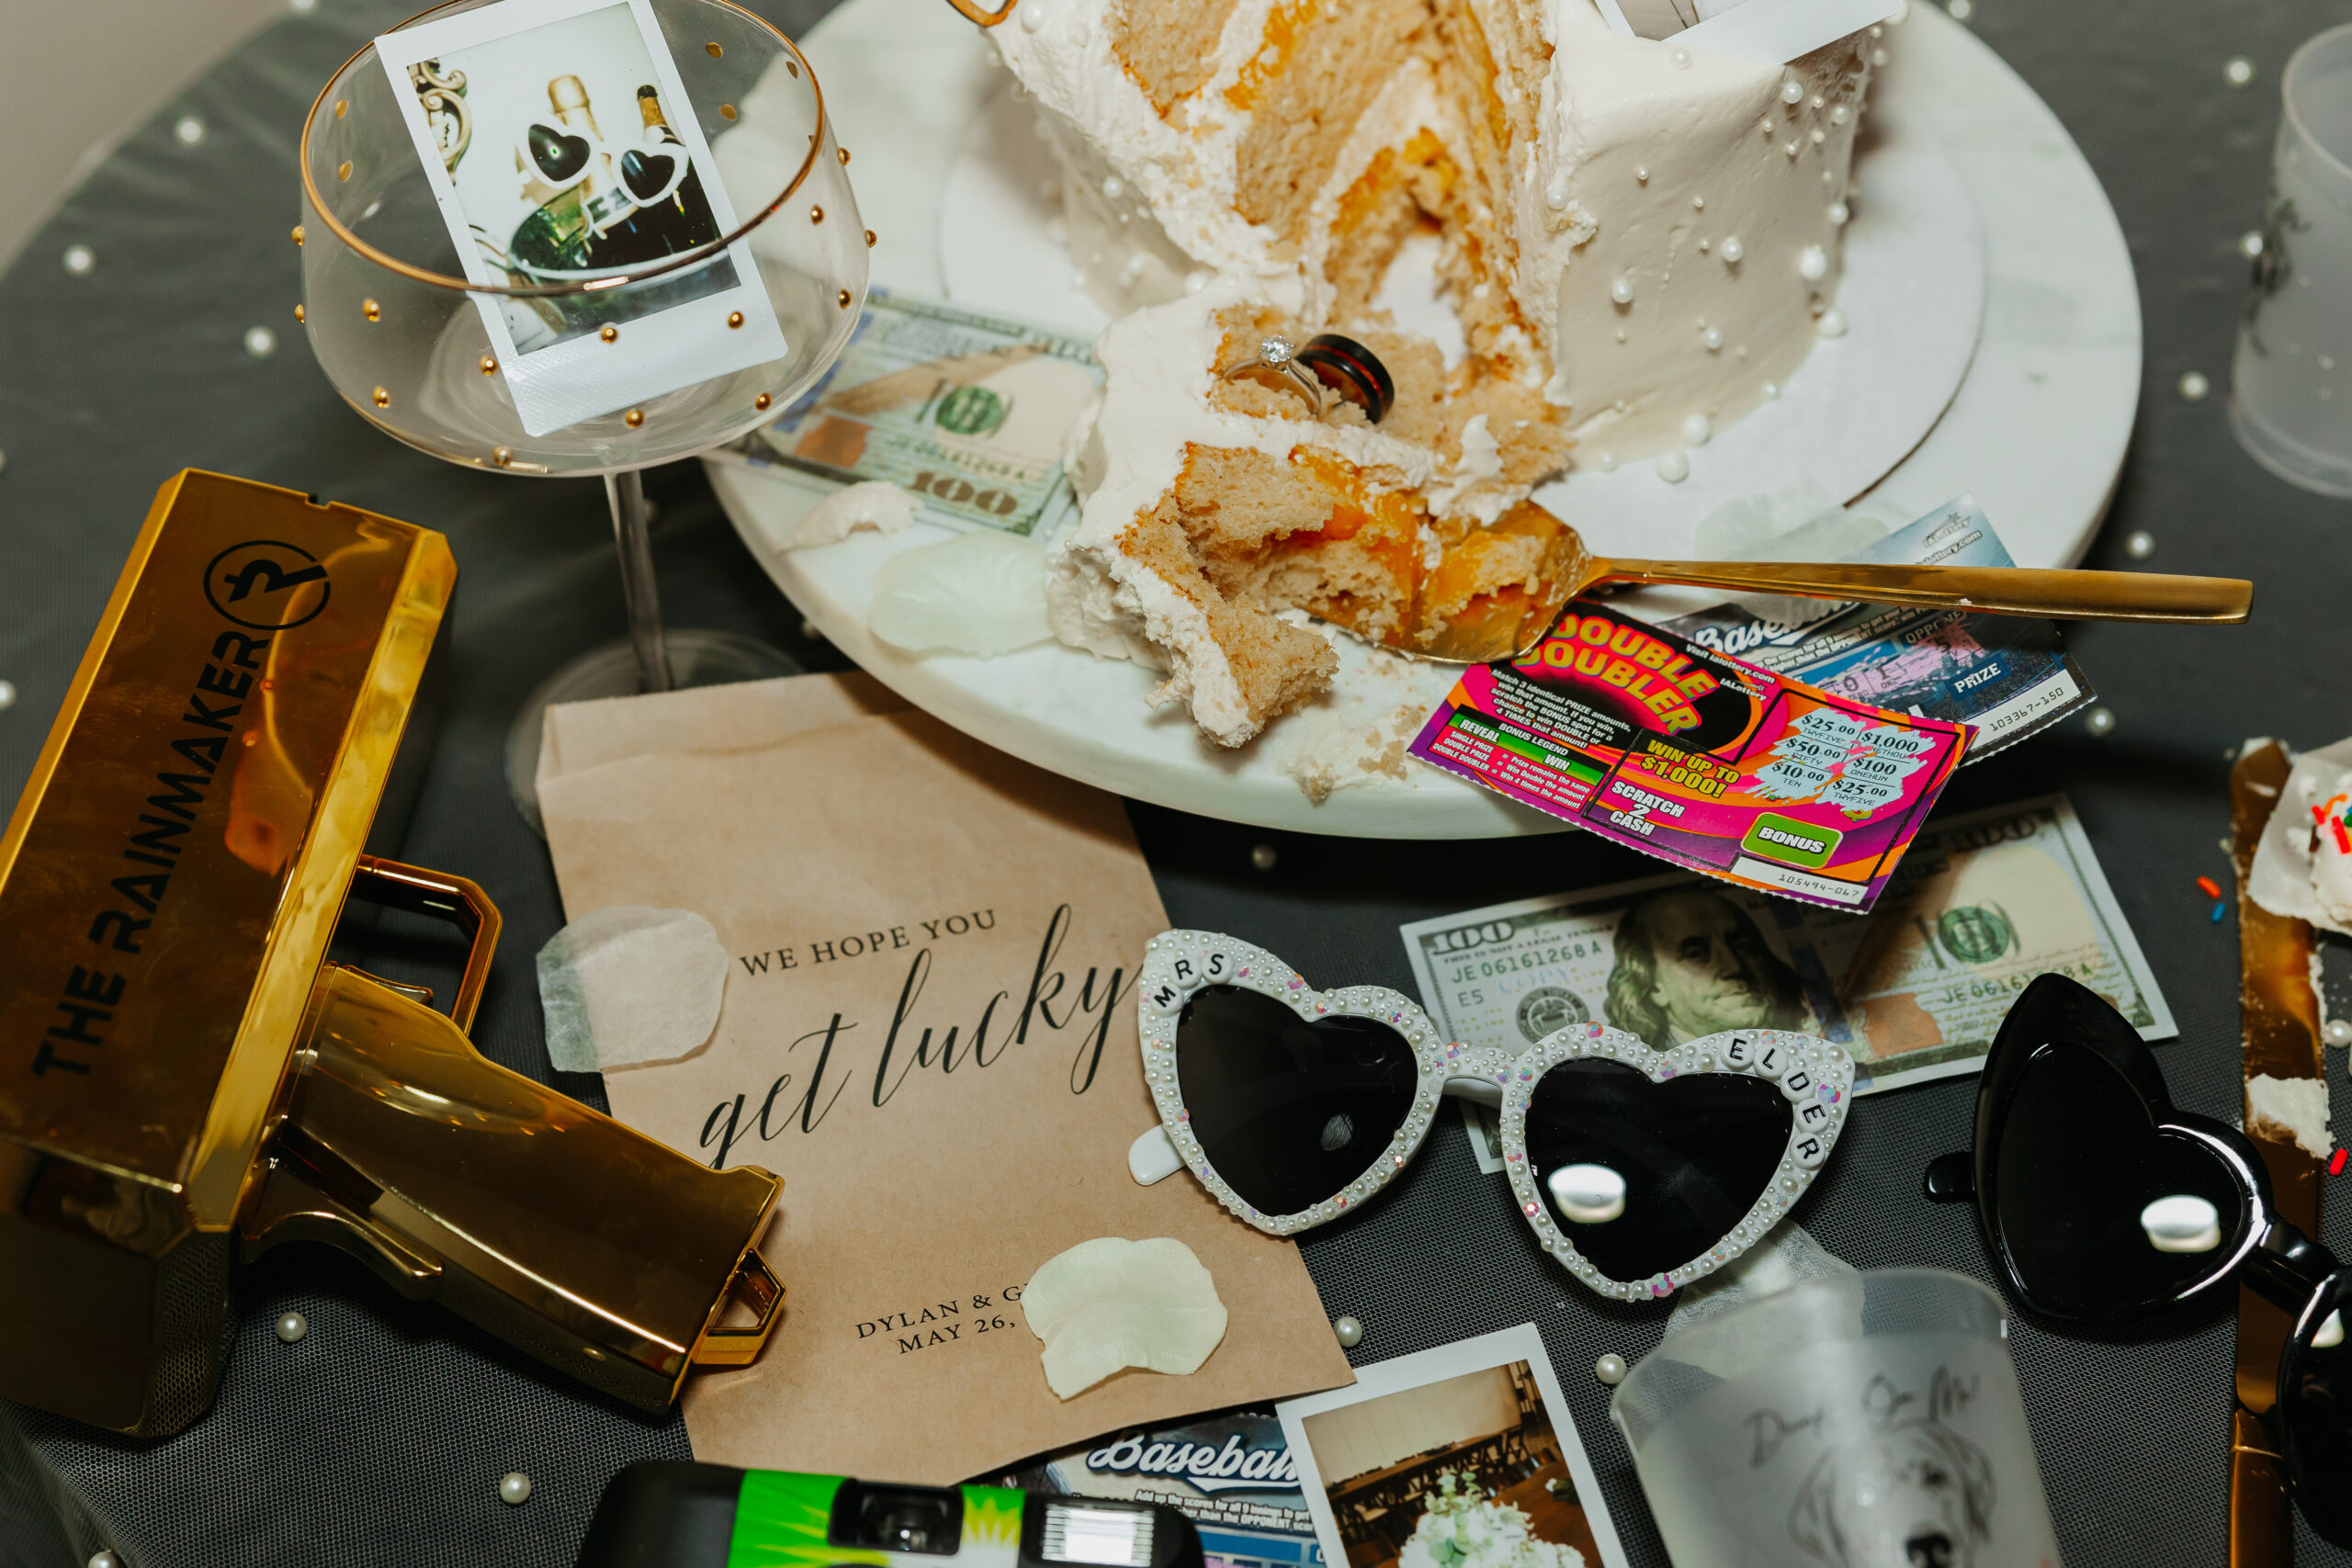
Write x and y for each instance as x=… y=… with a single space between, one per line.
x=2289 y=1109
x=1158 y=377
x=1642 y=174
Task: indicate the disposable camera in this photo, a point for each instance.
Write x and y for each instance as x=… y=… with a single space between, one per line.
x=671 y=1513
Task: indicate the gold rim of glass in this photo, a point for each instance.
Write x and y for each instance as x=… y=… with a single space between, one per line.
x=586 y=286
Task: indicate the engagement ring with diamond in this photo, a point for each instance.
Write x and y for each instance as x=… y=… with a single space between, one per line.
x=1279 y=355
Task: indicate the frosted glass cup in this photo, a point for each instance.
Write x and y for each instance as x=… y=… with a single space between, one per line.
x=1869 y=1418
x=2290 y=383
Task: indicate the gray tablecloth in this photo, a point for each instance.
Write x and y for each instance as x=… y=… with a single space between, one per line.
x=379 y=1439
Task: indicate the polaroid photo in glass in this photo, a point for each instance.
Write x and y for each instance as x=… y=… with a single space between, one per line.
x=580 y=160
x=1452 y=1458
x=1771 y=31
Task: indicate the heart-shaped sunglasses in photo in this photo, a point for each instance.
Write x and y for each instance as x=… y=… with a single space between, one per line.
x=1641 y=1170
x=2102 y=1204
x=563 y=158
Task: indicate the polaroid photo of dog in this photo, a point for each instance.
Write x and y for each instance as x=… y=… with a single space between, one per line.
x=1772 y=32
x=1461 y=1457
x=562 y=149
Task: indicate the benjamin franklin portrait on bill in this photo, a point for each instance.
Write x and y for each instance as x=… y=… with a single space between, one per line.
x=1689 y=962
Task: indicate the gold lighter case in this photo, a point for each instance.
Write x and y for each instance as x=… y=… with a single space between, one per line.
x=186 y=1077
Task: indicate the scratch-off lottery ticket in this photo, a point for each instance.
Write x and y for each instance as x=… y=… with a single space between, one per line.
x=1647 y=738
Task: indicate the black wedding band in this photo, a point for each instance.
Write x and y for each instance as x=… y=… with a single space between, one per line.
x=1353 y=371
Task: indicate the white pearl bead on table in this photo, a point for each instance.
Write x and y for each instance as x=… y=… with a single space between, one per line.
x=1609 y=1368
x=292 y=1326
x=514 y=1487
x=2337 y=1032
x=1262 y=856
x=1348 y=1332
x=106 y=1557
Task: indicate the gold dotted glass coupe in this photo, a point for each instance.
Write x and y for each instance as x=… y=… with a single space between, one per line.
x=399 y=328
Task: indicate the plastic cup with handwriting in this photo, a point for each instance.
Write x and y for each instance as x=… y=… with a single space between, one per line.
x=1869 y=1418
x=2290 y=384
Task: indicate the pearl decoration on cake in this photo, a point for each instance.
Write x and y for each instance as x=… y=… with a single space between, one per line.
x=1817 y=136
x=1698 y=429
x=1348 y=1332
x=1698 y=204
x=1813 y=264
x=1674 y=466
x=1839 y=214
x=2099 y=721
x=1713 y=338
x=1621 y=290
x=1771 y=391
x=292 y=1325
x=1832 y=324
x=514 y=1488
x=2337 y=1032
x=1608 y=462
x=1035 y=16
x=1113 y=187
x=1680 y=60
x=1642 y=175
x=1609 y=1368
x=1555 y=194
x=1841 y=115
x=1791 y=92
x=1732 y=251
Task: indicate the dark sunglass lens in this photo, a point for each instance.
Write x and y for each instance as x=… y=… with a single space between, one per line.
x=2315 y=1402
x=2078 y=1167
x=1686 y=1158
x=1288 y=1112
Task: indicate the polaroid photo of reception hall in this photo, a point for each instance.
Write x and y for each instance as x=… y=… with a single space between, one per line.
x=562 y=150
x=1461 y=1457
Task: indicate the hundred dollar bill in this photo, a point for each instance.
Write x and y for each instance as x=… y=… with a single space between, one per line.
x=1984 y=902
x=964 y=410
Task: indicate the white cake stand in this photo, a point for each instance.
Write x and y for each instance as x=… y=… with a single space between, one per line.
x=2036 y=428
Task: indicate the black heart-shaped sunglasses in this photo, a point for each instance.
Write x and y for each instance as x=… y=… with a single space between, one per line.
x=1640 y=1170
x=2101 y=1204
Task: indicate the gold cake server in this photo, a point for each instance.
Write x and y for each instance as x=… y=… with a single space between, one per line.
x=186 y=1077
x=2282 y=1028
x=1448 y=628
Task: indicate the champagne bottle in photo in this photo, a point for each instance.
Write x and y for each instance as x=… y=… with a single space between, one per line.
x=565 y=232
x=673 y=213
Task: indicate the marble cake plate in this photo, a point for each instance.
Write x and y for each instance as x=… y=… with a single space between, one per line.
x=2036 y=426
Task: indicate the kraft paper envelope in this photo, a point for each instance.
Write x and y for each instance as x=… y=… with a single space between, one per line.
x=929 y=1032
